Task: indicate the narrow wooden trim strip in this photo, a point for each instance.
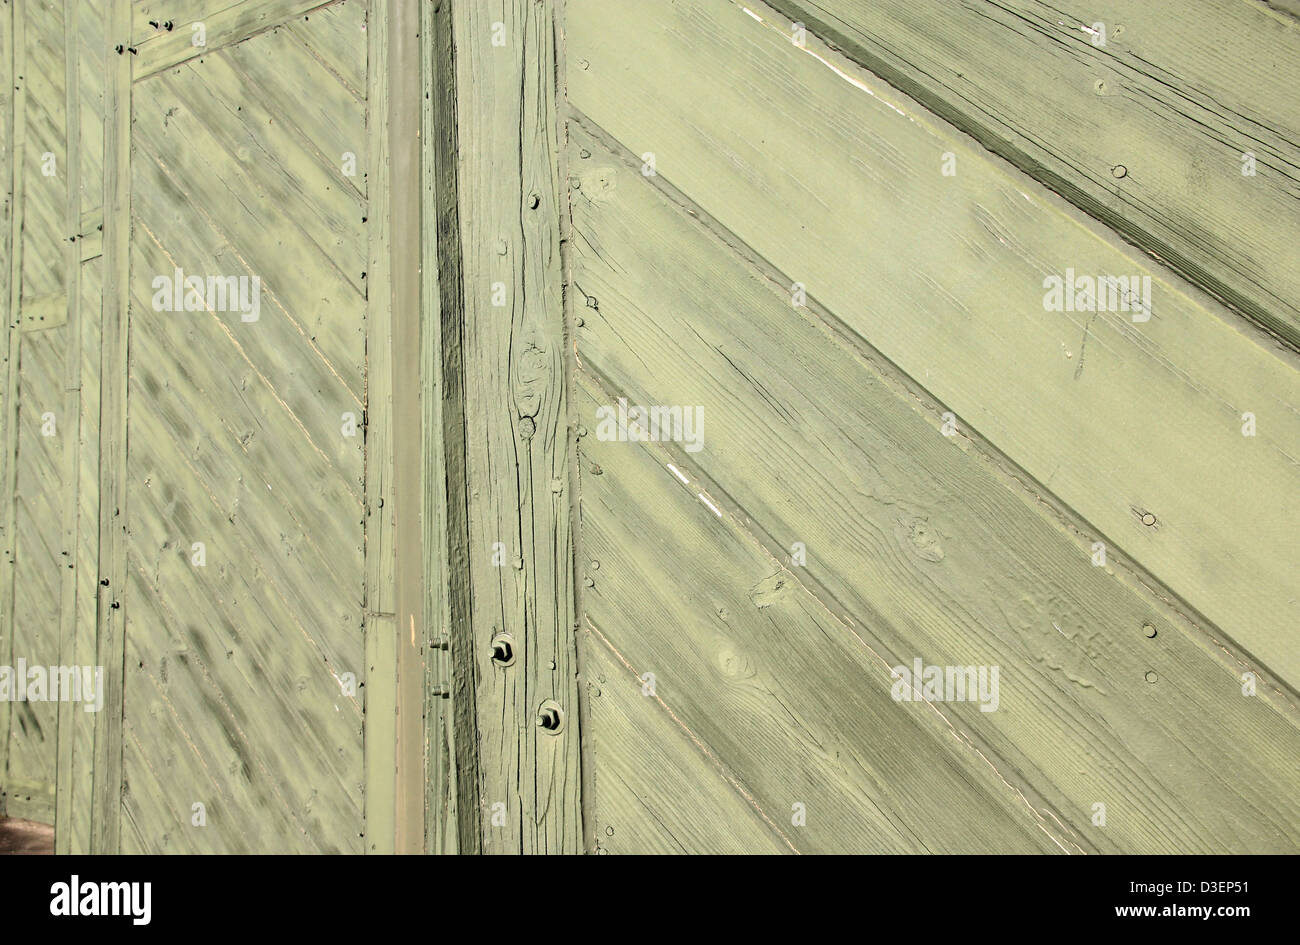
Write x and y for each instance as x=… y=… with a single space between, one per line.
x=404 y=89
x=106 y=799
x=69 y=719
x=381 y=628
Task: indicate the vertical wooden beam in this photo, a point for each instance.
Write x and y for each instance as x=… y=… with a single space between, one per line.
x=404 y=87
x=520 y=548
x=451 y=723
x=106 y=801
x=585 y=748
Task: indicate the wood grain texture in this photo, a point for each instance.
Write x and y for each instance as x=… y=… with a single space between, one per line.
x=334 y=36
x=11 y=97
x=382 y=631
x=657 y=792
x=78 y=635
x=835 y=178
x=16 y=55
x=39 y=426
x=454 y=824
x=237 y=695
x=1146 y=132
x=407 y=497
x=226 y=24
x=91 y=28
x=918 y=544
x=783 y=704
x=84 y=24
x=520 y=551
x=151 y=18
x=111 y=488
x=37 y=573
x=475 y=224
x=40 y=481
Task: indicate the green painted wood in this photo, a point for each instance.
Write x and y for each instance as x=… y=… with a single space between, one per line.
x=331 y=211
x=382 y=630
x=11 y=55
x=330 y=122
x=1175 y=103
x=40 y=421
x=235 y=671
x=86 y=27
x=76 y=778
x=453 y=821
x=74 y=833
x=836 y=179
x=764 y=682
x=776 y=164
x=149 y=18
x=46 y=311
x=223 y=163
x=40 y=480
x=520 y=546
x=237 y=693
x=225 y=25
x=91 y=27
x=402 y=61
x=66 y=767
x=112 y=488
x=334 y=35
x=918 y=545
x=656 y=792
x=90 y=238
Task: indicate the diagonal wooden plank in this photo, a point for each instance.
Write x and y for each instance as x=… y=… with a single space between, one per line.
x=265 y=480
x=278 y=72
x=241 y=440
x=154 y=18
x=784 y=699
x=302 y=302
x=334 y=35
x=1136 y=425
x=1171 y=112
x=163 y=49
x=926 y=545
x=666 y=797
x=32 y=612
x=280 y=168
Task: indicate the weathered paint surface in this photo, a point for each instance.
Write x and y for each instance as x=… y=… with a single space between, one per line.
x=212 y=566
x=825 y=422
x=85 y=29
x=452 y=816
x=1137 y=426
x=246 y=436
x=517 y=439
x=257 y=549
x=35 y=475
x=1177 y=131
x=471 y=239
